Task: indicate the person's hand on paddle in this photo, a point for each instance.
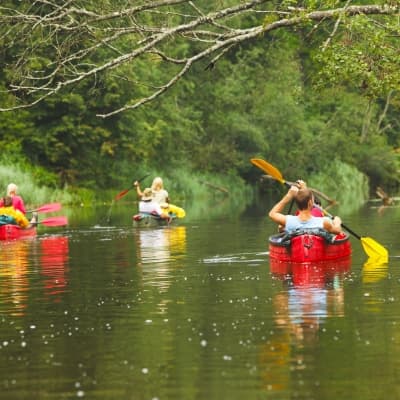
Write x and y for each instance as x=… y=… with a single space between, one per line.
x=301 y=184
x=139 y=192
x=293 y=191
x=337 y=221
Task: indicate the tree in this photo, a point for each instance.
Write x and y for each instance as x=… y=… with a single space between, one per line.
x=49 y=46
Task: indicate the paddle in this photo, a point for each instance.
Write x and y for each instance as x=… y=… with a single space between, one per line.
x=46 y=208
x=124 y=192
x=55 y=221
x=370 y=246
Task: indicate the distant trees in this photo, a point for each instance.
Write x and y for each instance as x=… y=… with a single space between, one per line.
x=212 y=84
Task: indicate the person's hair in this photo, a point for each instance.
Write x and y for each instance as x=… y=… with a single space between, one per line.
x=147 y=194
x=303 y=198
x=157 y=183
x=11 y=188
x=7 y=201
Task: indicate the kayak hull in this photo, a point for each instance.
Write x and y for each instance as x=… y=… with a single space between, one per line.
x=12 y=232
x=148 y=220
x=306 y=247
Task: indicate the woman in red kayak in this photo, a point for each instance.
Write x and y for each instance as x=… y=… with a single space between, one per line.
x=17 y=201
x=9 y=215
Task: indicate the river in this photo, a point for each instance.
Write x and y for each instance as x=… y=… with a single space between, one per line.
x=102 y=310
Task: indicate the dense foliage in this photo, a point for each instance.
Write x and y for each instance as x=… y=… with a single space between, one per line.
x=303 y=98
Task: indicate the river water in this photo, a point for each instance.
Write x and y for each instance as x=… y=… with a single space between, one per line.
x=102 y=310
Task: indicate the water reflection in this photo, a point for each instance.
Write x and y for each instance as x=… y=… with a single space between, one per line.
x=157 y=250
x=14 y=283
x=312 y=293
x=20 y=259
x=374 y=270
x=54 y=265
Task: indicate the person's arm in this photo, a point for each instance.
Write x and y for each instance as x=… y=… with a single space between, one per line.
x=334 y=225
x=276 y=211
x=138 y=190
x=18 y=204
x=22 y=206
x=21 y=220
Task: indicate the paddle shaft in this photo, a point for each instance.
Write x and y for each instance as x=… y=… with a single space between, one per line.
x=343 y=225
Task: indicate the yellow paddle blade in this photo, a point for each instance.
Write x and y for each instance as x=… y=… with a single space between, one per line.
x=374 y=249
x=268 y=168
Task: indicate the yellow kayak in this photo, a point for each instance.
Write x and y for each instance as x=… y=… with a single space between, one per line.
x=175 y=210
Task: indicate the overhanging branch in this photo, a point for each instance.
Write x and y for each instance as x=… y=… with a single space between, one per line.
x=78 y=36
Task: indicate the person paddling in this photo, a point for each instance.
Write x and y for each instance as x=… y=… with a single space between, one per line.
x=304 y=199
x=148 y=205
x=9 y=215
x=17 y=201
x=160 y=195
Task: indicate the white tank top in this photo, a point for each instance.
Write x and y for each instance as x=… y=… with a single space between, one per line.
x=293 y=222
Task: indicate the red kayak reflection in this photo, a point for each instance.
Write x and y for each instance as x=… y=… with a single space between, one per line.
x=311 y=293
x=54 y=264
x=310 y=274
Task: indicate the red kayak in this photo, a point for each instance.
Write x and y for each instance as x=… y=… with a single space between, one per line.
x=309 y=246
x=11 y=232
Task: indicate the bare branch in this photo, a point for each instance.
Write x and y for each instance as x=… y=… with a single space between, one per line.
x=337 y=23
x=154 y=95
x=74 y=37
x=383 y=115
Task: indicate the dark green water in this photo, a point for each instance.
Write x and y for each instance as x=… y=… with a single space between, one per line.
x=101 y=310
